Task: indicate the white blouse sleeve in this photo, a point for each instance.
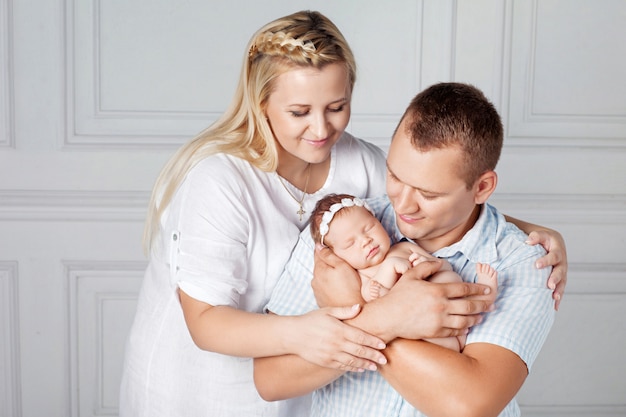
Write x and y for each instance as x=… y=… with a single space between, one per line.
x=207 y=225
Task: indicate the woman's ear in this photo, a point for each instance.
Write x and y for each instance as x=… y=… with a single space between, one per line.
x=485 y=186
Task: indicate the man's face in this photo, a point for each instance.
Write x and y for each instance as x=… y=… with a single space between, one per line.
x=432 y=203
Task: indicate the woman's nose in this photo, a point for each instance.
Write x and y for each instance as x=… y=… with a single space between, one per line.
x=319 y=126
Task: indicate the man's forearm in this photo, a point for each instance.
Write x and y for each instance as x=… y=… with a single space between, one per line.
x=441 y=382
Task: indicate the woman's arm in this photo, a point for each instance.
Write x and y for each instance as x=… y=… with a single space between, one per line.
x=553 y=242
x=235 y=332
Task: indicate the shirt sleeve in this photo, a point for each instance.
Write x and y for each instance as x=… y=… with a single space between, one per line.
x=293 y=294
x=524 y=310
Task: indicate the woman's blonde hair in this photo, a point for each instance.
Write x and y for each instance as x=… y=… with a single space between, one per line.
x=302 y=39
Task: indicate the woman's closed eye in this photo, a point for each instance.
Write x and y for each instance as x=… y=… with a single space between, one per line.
x=337 y=109
x=302 y=113
x=299 y=113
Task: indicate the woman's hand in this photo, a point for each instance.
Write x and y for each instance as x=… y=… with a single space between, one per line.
x=553 y=242
x=320 y=337
x=335 y=283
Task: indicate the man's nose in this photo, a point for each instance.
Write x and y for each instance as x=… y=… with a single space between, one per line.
x=405 y=201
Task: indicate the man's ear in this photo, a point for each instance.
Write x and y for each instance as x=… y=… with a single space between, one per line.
x=485 y=186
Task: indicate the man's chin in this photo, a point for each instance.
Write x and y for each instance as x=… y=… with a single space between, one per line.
x=412 y=233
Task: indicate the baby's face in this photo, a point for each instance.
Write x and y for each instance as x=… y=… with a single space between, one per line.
x=358 y=237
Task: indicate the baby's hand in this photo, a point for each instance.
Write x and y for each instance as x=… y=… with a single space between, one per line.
x=417 y=258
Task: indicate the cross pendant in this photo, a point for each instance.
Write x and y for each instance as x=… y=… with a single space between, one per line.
x=300 y=212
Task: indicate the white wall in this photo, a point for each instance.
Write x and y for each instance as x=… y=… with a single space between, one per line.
x=95 y=95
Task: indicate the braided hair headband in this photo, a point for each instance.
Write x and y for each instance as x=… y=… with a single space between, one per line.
x=279 y=42
x=327 y=217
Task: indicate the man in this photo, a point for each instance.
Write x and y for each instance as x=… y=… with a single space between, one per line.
x=441 y=165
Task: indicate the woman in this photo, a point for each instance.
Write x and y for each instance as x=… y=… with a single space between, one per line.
x=225 y=213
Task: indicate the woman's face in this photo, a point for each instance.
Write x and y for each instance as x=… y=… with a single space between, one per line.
x=308 y=110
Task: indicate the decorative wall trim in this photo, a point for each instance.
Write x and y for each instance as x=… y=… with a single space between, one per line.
x=564 y=208
x=56 y=205
x=438 y=49
x=9 y=341
x=578 y=411
x=587 y=278
x=96 y=291
x=526 y=126
x=90 y=126
x=7 y=133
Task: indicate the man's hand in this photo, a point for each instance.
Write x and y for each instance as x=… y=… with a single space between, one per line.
x=413 y=309
x=418 y=309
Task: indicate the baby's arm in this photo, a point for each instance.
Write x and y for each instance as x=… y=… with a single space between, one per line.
x=390 y=270
x=387 y=274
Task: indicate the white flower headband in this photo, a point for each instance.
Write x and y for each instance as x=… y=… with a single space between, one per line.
x=327 y=217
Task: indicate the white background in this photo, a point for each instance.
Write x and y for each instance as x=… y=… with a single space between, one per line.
x=95 y=95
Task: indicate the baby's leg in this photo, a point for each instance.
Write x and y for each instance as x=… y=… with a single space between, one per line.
x=488 y=276
x=374 y=290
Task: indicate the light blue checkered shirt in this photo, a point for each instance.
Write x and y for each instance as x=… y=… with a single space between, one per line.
x=523 y=317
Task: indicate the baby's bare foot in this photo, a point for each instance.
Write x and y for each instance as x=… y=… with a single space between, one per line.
x=489 y=277
x=374 y=289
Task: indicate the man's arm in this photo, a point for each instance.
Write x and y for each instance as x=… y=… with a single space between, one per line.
x=486 y=375
x=481 y=381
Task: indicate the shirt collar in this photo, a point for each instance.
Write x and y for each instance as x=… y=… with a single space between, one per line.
x=479 y=243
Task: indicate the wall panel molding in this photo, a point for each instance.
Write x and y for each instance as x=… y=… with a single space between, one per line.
x=564 y=208
x=93 y=124
x=53 y=205
x=579 y=411
x=7 y=133
x=534 y=122
x=9 y=341
x=102 y=298
x=592 y=278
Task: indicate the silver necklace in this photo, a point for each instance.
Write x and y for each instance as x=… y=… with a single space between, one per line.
x=301 y=210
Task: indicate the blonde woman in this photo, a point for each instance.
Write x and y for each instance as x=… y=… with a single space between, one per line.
x=226 y=212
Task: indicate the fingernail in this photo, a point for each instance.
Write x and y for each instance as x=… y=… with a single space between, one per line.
x=557 y=297
x=382 y=360
x=487 y=290
x=538 y=265
x=355 y=307
x=551 y=286
x=382 y=346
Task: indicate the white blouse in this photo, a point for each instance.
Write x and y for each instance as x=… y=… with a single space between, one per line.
x=224 y=240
